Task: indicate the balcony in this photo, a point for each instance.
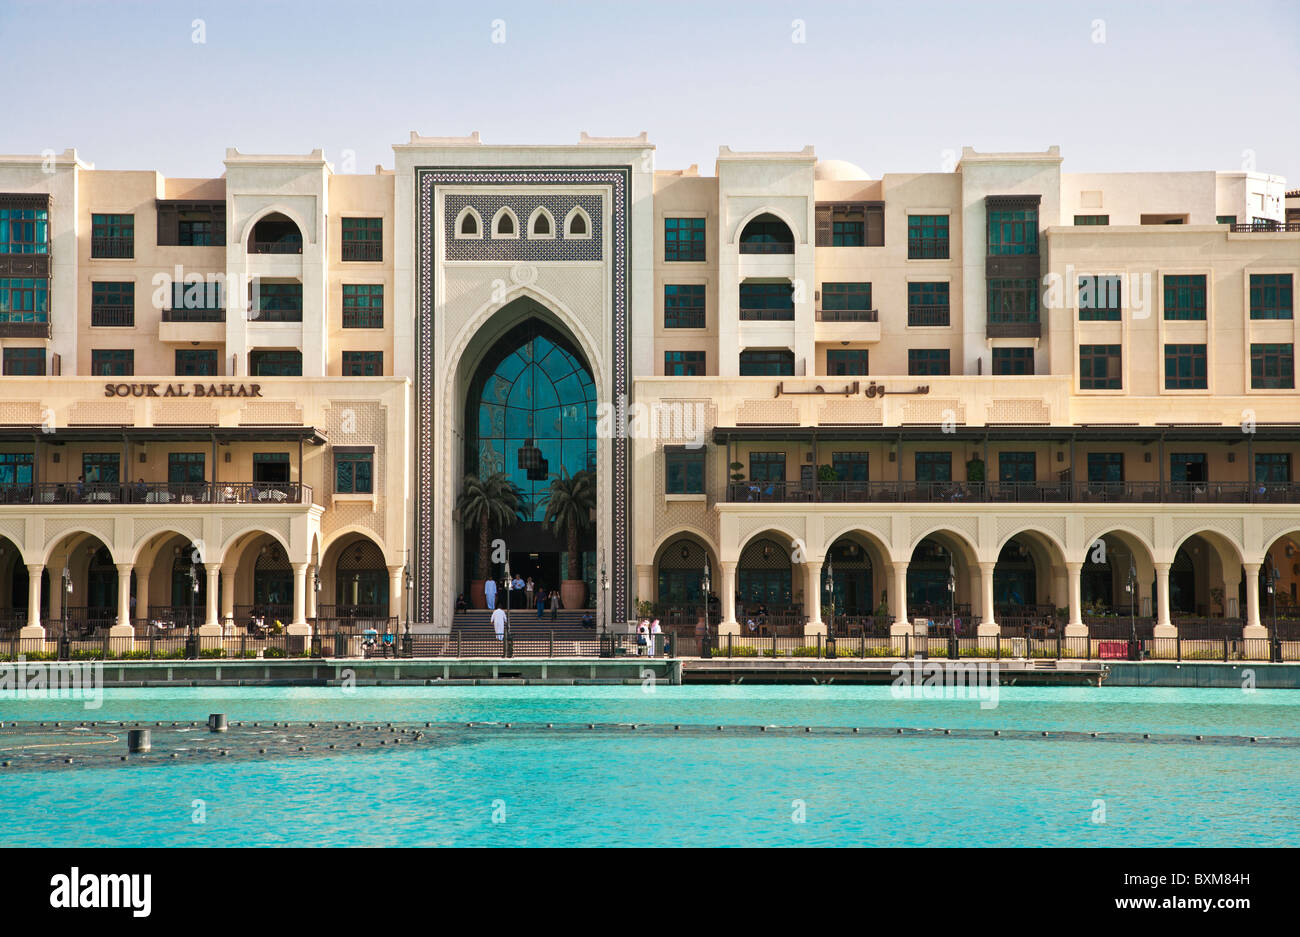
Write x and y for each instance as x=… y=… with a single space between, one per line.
x=1015 y=492
x=287 y=246
x=192 y=325
x=116 y=316
x=11 y=327
x=922 y=248
x=275 y=315
x=194 y=315
x=370 y=251
x=156 y=493
x=112 y=248
x=766 y=315
x=1271 y=227
x=848 y=325
x=1014 y=325
x=932 y=315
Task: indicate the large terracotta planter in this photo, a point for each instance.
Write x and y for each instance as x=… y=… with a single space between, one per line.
x=477 y=599
x=573 y=593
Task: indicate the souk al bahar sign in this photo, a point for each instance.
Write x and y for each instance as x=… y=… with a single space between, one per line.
x=182 y=390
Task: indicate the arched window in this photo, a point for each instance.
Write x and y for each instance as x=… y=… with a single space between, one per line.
x=469 y=224
x=577 y=224
x=541 y=225
x=505 y=225
x=766 y=234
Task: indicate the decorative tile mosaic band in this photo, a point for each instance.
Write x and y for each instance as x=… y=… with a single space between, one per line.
x=618 y=178
x=525 y=247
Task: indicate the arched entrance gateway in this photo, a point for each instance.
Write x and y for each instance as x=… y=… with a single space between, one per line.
x=530 y=414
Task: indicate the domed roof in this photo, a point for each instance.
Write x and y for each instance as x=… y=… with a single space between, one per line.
x=838 y=170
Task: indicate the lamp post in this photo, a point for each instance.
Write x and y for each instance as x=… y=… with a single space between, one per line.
x=604 y=591
x=706 y=586
x=1270 y=583
x=407 y=583
x=952 y=611
x=830 y=604
x=1134 y=648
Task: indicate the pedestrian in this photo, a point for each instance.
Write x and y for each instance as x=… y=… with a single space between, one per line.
x=528 y=591
x=642 y=637
x=541 y=604
x=499 y=623
x=490 y=593
x=655 y=631
x=555 y=604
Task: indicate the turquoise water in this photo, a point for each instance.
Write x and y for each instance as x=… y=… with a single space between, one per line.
x=617 y=790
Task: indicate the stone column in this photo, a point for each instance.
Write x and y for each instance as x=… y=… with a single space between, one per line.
x=901 y=627
x=228 y=596
x=123 y=627
x=1254 y=627
x=1164 y=622
x=1075 y=628
x=728 y=625
x=813 y=599
x=33 y=629
x=210 y=618
x=988 y=625
x=299 y=624
x=312 y=574
x=395 y=598
x=142 y=592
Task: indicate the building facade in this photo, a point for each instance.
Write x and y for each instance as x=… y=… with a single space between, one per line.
x=1002 y=390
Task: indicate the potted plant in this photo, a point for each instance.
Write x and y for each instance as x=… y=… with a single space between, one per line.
x=490 y=504
x=569 y=506
x=827 y=473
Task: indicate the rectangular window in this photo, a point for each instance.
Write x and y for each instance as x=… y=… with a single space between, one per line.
x=1273 y=467
x=24 y=300
x=25 y=362
x=277 y=302
x=685 y=470
x=15 y=468
x=275 y=363
x=271 y=467
x=928 y=304
x=1099 y=298
x=1272 y=366
x=846 y=296
x=112 y=304
x=851 y=466
x=848 y=234
x=1017 y=467
x=194 y=229
x=776 y=362
x=185 y=468
x=363 y=239
x=363 y=305
x=100 y=468
x=112 y=362
x=1185 y=367
x=684 y=306
x=112 y=236
x=196 y=362
x=1225 y=219
x=927 y=237
x=1013 y=232
x=1013 y=361
x=194 y=302
x=24 y=231
x=354 y=472
x=767 y=466
x=1271 y=296
x=1185 y=297
x=934 y=466
x=1105 y=467
x=767 y=302
x=684 y=363
x=1188 y=467
x=363 y=364
x=846 y=361
x=934 y=361
x=1091 y=219
x=1013 y=301
x=1100 y=367
x=684 y=239
x=191 y=224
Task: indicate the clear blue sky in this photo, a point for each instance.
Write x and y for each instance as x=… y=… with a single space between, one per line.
x=889 y=86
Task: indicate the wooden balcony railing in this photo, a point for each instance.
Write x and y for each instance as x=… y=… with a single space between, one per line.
x=112 y=247
x=927 y=248
x=929 y=315
x=194 y=315
x=155 y=493
x=848 y=315
x=112 y=316
x=362 y=250
x=11 y=328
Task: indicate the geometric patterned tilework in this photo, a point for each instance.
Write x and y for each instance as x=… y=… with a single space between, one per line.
x=183 y=412
x=523 y=247
x=672 y=515
x=939 y=410
x=112 y=412
x=851 y=410
x=271 y=413
x=768 y=412
x=1008 y=526
x=1182 y=526
x=962 y=525
x=20 y=412
x=1026 y=410
x=1094 y=527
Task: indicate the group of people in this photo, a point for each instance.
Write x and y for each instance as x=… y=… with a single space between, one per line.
x=647 y=634
x=535 y=596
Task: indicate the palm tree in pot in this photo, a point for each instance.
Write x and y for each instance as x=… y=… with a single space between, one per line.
x=491 y=504
x=569 y=506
